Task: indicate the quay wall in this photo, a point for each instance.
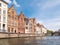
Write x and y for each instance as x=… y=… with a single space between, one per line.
x=11 y=35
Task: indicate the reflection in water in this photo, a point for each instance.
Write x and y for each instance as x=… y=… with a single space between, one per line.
x=31 y=41
x=16 y=41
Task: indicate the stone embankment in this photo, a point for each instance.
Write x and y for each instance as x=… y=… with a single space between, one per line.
x=14 y=35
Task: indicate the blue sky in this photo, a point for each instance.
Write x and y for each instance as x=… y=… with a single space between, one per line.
x=46 y=12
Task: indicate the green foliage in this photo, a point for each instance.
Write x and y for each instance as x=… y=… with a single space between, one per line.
x=49 y=32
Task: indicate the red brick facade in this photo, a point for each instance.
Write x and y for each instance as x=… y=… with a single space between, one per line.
x=21 y=23
x=12 y=20
x=18 y=23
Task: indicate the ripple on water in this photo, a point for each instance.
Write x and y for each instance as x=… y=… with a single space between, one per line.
x=54 y=40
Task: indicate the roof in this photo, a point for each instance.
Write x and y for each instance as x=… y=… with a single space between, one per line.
x=10 y=7
x=21 y=14
x=26 y=19
x=4 y=1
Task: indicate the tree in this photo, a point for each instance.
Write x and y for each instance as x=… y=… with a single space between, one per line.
x=49 y=32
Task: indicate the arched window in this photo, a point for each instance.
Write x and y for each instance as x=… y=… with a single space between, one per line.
x=15 y=31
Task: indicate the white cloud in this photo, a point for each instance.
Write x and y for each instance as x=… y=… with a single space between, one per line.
x=52 y=24
x=50 y=3
x=8 y=1
x=44 y=4
x=41 y=22
x=49 y=18
x=15 y=3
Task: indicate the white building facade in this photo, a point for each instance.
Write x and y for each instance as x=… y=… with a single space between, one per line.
x=44 y=30
x=38 y=30
x=3 y=16
x=30 y=26
x=27 y=26
x=27 y=30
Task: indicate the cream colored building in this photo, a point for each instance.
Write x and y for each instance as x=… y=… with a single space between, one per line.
x=30 y=26
x=3 y=16
x=44 y=30
x=40 y=29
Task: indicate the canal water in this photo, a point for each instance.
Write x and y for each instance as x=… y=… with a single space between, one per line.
x=55 y=40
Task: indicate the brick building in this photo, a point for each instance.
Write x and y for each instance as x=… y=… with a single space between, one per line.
x=21 y=23
x=12 y=20
x=26 y=25
x=12 y=23
x=30 y=24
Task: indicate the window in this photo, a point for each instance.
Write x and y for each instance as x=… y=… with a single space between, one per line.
x=4 y=19
x=26 y=27
x=18 y=28
x=0 y=4
x=4 y=12
x=4 y=5
x=0 y=25
x=12 y=12
x=12 y=30
x=9 y=23
x=8 y=17
x=30 y=23
x=15 y=31
x=12 y=17
x=15 y=18
x=8 y=29
x=0 y=11
x=15 y=23
x=26 y=23
x=21 y=18
x=30 y=27
x=12 y=23
x=3 y=27
x=0 y=18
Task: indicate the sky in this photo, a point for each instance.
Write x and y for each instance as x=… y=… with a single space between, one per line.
x=46 y=12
